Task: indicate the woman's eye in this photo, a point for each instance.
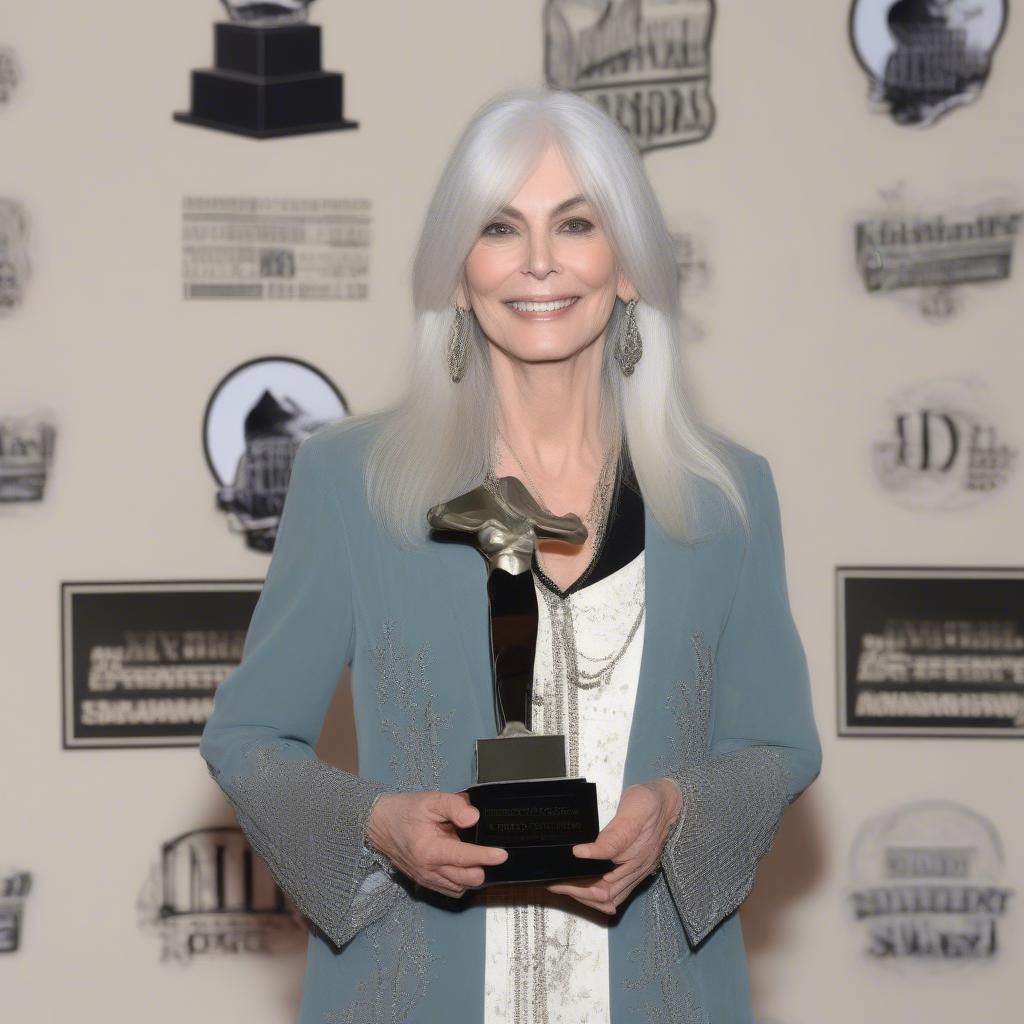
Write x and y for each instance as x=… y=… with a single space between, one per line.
x=578 y=226
x=574 y=226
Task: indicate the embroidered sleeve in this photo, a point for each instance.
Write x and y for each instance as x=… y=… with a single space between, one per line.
x=760 y=748
x=305 y=818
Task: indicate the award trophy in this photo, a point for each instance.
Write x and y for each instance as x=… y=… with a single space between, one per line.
x=527 y=804
x=267 y=81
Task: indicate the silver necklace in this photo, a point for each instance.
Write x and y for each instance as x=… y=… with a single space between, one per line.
x=595 y=680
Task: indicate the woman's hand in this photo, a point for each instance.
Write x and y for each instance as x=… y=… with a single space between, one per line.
x=633 y=839
x=416 y=831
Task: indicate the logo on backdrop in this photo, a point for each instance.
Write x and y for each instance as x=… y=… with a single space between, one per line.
x=925 y=884
x=141 y=661
x=10 y=74
x=942 y=449
x=211 y=895
x=927 y=253
x=14 y=264
x=14 y=888
x=255 y=421
x=930 y=652
x=26 y=453
x=925 y=57
x=297 y=249
x=268 y=81
x=646 y=64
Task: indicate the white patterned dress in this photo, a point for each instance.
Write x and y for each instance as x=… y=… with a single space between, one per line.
x=547 y=955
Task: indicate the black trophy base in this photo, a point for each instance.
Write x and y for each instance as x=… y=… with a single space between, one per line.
x=538 y=822
x=267 y=83
x=262 y=133
x=262 y=108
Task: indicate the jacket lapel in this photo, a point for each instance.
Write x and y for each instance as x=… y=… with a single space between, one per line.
x=669 y=590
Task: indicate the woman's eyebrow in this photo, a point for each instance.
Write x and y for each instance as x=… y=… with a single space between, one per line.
x=511 y=211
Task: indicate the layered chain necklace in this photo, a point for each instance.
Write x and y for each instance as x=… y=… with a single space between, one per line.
x=566 y=655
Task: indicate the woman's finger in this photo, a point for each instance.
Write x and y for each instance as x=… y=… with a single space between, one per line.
x=463 y=878
x=598 y=892
x=604 y=906
x=469 y=855
x=624 y=886
x=614 y=884
x=619 y=871
x=633 y=862
x=438 y=883
x=456 y=808
x=611 y=843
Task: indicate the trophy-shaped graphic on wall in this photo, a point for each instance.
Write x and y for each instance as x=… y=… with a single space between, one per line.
x=925 y=57
x=257 y=418
x=268 y=80
x=527 y=804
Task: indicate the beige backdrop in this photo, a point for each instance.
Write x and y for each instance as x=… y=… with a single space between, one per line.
x=795 y=361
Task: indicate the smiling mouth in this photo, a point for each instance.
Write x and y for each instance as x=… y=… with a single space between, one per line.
x=551 y=306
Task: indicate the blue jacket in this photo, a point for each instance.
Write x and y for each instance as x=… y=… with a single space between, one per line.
x=723 y=706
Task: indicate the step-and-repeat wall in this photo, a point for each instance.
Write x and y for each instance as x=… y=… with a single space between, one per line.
x=206 y=229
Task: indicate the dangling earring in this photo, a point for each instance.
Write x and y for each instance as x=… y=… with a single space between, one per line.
x=458 y=345
x=629 y=346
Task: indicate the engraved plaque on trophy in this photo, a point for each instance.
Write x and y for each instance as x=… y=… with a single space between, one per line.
x=527 y=804
x=267 y=80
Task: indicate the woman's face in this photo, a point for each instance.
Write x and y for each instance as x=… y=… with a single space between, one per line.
x=545 y=247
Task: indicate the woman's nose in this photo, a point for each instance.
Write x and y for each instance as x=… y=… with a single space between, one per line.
x=540 y=258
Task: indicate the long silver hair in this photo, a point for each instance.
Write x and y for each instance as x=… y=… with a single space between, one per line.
x=438 y=442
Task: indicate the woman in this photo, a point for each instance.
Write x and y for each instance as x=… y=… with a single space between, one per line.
x=548 y=349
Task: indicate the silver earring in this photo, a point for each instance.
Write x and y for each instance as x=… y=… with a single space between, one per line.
x=629 y=346
x=458 y=344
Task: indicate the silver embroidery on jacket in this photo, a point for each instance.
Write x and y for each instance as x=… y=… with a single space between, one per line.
x=733 y=803
x=403 y=961
x=690 y=710
x=405 y=686
x=660 y=961
x=306 y=820
x=401 y=956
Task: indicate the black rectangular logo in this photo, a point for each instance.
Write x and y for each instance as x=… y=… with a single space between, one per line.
x=141 y=661
x=930 y=651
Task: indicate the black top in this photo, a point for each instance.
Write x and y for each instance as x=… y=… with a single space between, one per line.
x=623 y=537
